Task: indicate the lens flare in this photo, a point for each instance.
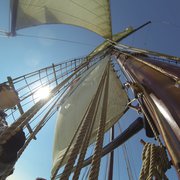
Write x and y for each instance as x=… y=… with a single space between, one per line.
x=42 y=93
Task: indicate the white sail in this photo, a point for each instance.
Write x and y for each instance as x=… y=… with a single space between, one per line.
x=90 y=14
x=74 y=107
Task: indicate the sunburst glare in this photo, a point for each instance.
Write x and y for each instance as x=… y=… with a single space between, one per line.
x=42 y=93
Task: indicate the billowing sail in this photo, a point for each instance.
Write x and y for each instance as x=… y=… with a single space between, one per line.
x=76 y=102
x=92 y=15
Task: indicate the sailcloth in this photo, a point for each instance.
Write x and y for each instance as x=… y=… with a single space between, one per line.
x=73 y=108
x=90 y=14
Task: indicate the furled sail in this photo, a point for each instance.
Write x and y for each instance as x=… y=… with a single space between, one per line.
x=92 y=15
x=116 y=37
x=74 y=106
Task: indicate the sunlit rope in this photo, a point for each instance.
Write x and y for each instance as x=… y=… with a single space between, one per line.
x=28 y=115
x=81 y=135
x=95 y=165
x=39 y=126
x=70 y=145
x=118 y=162
x=155 y=162
x=86 y=140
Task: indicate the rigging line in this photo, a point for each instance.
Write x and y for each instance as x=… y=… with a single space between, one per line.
x=3 y=35
x=38 y=128
x=45 y=83
x=40 y=78
x=25 y=118
x=133 y=165
x=118 y=162
x=43 y=69
x=157 y=68
x=85 y=176
x=30 y=122
x=59 y=96
x=3 y=32
x=12 y=113
x=124 y=148
x=106 y=168
x=27 y=94
x=47 y=77
x=29 y=88
x=10 y=17
x=111 y=155
x=31 y=94
x=54 y=39
x=87 y=139
x=153 y=53
x=95 y=165
x=80 y=138
x=71 y=143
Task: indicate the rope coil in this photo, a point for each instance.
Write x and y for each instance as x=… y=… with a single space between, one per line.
x=155 y=162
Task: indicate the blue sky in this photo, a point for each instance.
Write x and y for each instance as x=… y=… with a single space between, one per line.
x=20 y=55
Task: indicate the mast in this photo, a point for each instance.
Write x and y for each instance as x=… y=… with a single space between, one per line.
x=157 y=90
x=146 y=91
x=14 y=7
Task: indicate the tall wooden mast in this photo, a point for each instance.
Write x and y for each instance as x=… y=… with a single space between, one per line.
x=157 y=88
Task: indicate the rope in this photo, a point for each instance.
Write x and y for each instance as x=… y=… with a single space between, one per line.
x=155 y=162
x=78 y=144
x=42 y=122
x=26 y=117
x=70 y=144
x=94 y=172
x=86 y=142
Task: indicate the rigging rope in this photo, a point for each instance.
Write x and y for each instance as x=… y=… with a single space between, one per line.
x=32 y=135
x=126 y=158
x=70 y=144
x=26 y=117
x=94 y=172
x=155 y=162
x=39 y=126
x=78 y=144
x=86 y=141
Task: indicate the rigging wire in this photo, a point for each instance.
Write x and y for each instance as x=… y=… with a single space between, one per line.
x=126 y=157
x=106 y=168
x=132 y=162
x=3 y=34
x=54 y=39
x=118 y=163
x=86 y=173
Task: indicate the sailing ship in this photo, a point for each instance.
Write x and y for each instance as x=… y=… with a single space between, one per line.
x=92 y=94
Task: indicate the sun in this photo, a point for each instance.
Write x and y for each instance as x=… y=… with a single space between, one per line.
x=42 y=93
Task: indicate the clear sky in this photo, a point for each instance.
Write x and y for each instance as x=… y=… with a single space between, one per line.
x=20 y=55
